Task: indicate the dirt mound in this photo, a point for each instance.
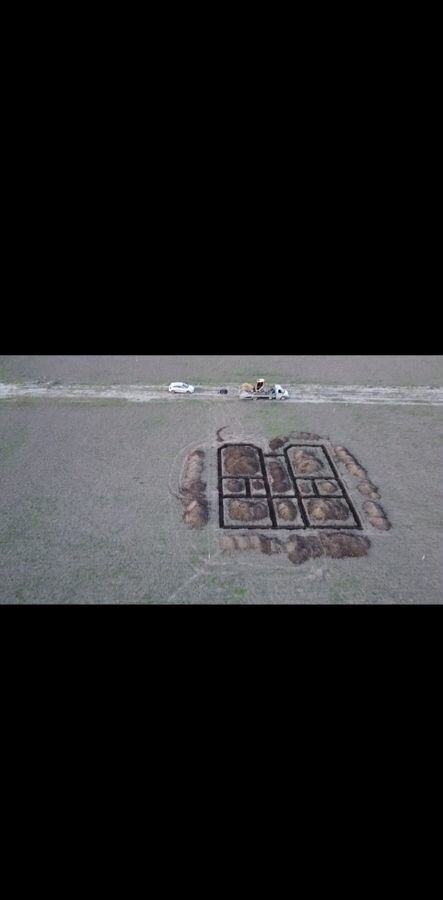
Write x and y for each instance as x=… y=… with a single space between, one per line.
x=343 y=454
x=286 y=510
x=192 y=491
x=326 y=510
x=195 y=514
x=341 y=545
x=241 y=461
x=305 y=487
x=305 y=436
x=368 y=489
x=299 y=549
x=376 y=515
x=335 y=545
x=268 y=546
x=306 y=462
x=279 y=478
x=280 y=441
x=277 y=442
x=247 y=510
x=351 y=463
x=327 y=487
x=190 y=481
x=234 y=485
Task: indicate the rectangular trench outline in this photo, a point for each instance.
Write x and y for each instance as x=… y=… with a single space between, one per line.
x=315 y=478
x=270 y=497
x=263 y=476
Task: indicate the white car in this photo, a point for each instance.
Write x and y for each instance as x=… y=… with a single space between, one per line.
x=180 y=387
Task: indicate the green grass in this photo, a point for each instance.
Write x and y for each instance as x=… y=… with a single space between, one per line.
x=97 y=401
x=345 y=590
x=156 y=418
x=236 y=594
x=20 y=401
x=224 y=589
x=275 y=419
x=9 y=445
x=26 y=520
x=6 y=378
x=423 y=411
x=3 y=374
x=239 y=376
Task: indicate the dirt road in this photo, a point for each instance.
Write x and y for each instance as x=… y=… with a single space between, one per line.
x=306 y=393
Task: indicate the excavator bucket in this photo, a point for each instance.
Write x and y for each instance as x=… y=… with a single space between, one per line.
x=260 y=384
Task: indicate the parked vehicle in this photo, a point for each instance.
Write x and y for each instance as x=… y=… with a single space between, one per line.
x=180 y=387
x=260 y=392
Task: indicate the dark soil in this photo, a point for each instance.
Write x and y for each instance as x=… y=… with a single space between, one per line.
x=327 y=510
x=241 y=461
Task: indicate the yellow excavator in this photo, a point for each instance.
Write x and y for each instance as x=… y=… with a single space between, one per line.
x=253 y=388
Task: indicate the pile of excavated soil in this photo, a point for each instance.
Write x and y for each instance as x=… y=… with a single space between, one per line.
x=328 y=487
x=374 y=511
x=299 y=548
x=233 y=486
x=247 y=510
x=321 y=510
x=305 y=461
x=286 y=510
x=192 y=491
x=241 y=461
x=376 y=515
x=279 y=478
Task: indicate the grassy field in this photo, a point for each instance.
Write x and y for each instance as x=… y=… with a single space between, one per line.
x=214 y=370
x=88 y=512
